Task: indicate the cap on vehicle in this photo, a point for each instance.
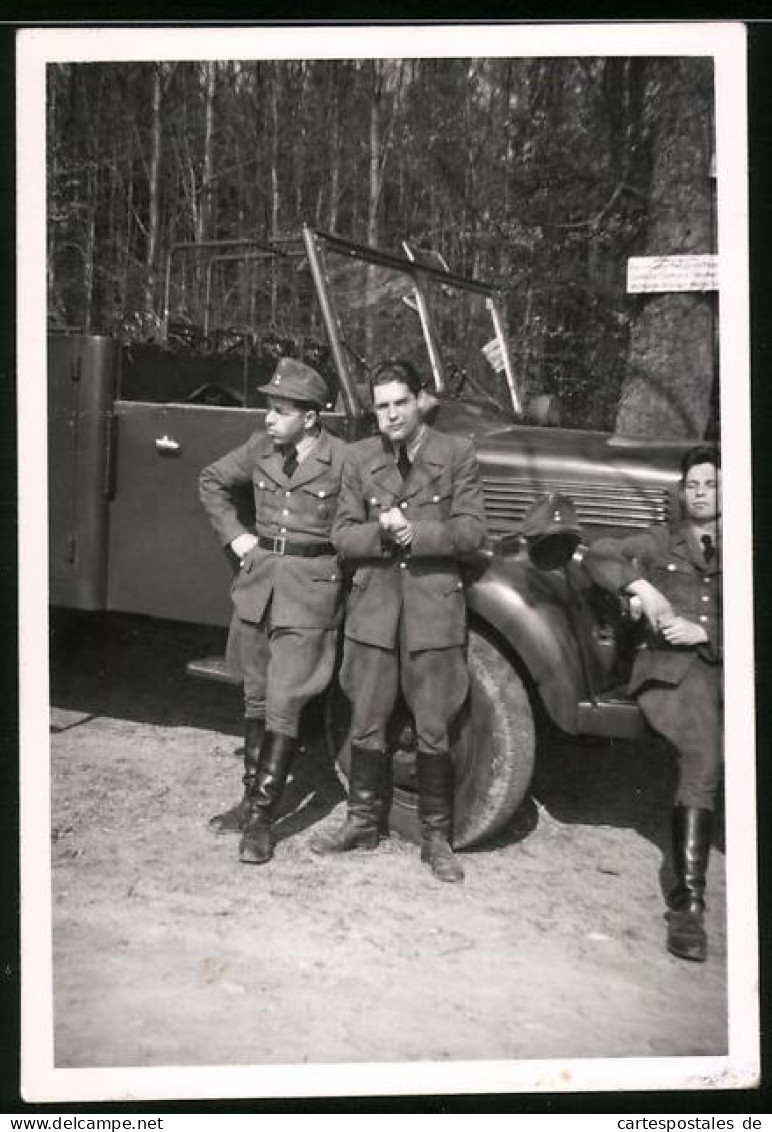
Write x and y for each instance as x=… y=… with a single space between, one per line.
x=552 y=531
x=296 y=381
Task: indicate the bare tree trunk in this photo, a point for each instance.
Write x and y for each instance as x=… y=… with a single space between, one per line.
x=114 y=237
x=53 y=226
x=667 y=387
x=299 y=149
x=89 y=249
x=127 y=247
x=203 y=219
x=374 y=193
x=205 y=213
x=275 y=202
x=334 y=144
x=153 y=192
x=375 y=157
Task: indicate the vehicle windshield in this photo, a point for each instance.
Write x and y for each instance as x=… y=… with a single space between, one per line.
x=472 y=351
x=381 y=312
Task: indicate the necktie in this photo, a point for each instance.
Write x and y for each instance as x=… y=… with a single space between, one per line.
x=708 y=548
x=403 y=461
x=290 y=462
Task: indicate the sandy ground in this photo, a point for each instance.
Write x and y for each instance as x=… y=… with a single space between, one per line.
x=167 y=951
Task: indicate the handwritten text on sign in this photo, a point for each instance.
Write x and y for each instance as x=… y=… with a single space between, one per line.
x=672 y=273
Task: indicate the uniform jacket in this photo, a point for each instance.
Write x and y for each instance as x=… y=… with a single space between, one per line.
x=443 y=500
x=674 y=563
x=304 y=592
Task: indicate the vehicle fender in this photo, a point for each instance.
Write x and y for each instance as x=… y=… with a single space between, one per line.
x=530 y=610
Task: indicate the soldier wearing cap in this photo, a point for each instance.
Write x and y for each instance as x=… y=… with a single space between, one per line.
x=672 y=577
x=410 y=507
x=287 y=595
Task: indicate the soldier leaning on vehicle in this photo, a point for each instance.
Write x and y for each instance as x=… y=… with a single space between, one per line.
x=287 y=595
x=410 y=506
x=673 y=579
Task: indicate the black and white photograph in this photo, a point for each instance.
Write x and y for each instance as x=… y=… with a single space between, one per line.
x=386 y=723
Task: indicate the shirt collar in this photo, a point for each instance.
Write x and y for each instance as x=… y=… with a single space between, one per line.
x=306 y=445
x=412 y=446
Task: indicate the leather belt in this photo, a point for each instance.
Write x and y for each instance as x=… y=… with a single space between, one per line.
x=295 y=549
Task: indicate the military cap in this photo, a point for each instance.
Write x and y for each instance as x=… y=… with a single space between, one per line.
x=551 y=530
x=297 y=382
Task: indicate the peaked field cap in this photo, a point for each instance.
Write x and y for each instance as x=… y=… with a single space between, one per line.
x=552 y=530
x=296 y=381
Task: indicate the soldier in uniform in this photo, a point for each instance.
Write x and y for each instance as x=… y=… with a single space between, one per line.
x=673 y=580
x=410 y=507
x=287 y=595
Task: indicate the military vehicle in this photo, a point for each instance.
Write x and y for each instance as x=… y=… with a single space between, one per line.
x=131 y=425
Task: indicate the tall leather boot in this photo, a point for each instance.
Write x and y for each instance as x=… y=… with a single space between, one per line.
x=435 y=807
x=686 y=936
x=385 y=794
x=360 y=830
x=234 y=819
x=273 y=764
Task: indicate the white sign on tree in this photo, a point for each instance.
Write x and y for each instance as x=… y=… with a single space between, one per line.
x=672 y=273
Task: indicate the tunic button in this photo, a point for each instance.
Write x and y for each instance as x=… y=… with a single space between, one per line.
x=703 y=617
x=283 y=531
x=403 y=505
x=322 y=494
x=374 y=501
x=403 y=565
x=288 y=493
x=261 y=483
x=285 y=512
x=705 y=597
x=671 y=565
x=706 y=581
x=435 y=499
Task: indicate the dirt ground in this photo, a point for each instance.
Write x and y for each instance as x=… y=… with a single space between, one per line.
x=167 y=951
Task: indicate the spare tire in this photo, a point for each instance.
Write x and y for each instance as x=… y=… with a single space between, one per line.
x=493 y=749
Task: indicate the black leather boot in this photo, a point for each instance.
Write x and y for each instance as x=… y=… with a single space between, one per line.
x=361 y=828
x=385 y=794
x=435 y=806
x=234 y=819
x=273 y=764
x=686 y=936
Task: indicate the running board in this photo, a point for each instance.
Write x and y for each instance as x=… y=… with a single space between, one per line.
x=611 y=715
x=212 y=668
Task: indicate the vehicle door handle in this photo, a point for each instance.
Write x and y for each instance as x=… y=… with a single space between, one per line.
x=165 y=446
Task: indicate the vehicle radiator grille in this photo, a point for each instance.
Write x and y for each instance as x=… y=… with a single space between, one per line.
x=597 y=505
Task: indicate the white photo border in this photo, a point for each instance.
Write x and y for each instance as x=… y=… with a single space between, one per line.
x=726 y=43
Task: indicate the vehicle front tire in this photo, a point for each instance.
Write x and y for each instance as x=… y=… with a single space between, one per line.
x=493 y=752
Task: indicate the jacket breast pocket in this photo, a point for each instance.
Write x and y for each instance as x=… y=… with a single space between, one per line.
x=676 y=580
x=266 y=494
x=321 y=498
x=436 y=501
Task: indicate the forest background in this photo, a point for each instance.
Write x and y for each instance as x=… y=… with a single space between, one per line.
x=543 y=175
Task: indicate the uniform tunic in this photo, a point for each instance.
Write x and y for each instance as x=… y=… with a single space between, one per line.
x=406 y=617
x=679 y=688
x=287 y=608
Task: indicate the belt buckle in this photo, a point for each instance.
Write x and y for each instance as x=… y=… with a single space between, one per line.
x=279 y=545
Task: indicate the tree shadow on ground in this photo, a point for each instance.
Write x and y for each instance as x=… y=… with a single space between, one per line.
x=133 y=668
x=125 y=667
x=614 y=782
